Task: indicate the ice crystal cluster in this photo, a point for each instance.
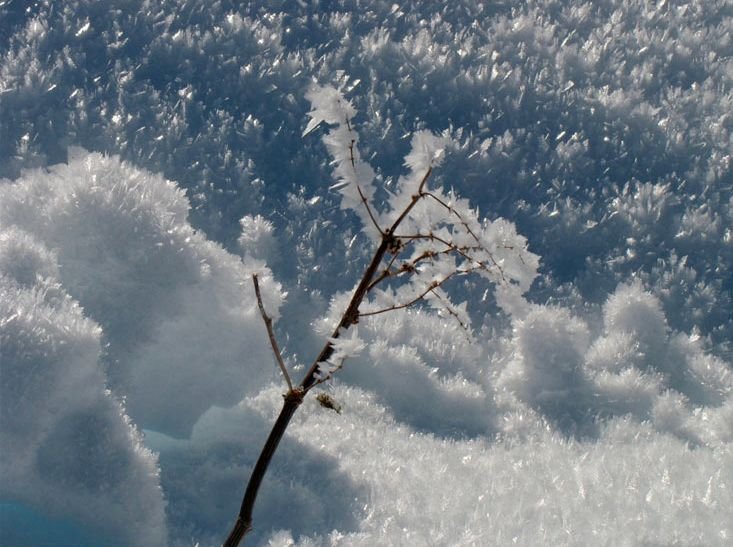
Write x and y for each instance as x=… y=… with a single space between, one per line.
x=432 y=236
x=154 y=154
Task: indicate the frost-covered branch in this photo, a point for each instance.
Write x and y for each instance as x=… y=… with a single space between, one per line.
x=369 y=210
x=413 y=201
x=423 y=238
x=419 y=298
x=343 y=348
x=354 y=177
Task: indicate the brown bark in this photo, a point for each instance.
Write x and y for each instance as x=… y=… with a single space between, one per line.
x=389 y=242
x=244 y=521
x=293 y=399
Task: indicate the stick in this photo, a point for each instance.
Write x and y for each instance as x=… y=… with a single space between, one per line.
x=270 y=333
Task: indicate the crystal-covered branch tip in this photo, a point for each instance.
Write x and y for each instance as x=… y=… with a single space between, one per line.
x=343 y=348
x=432 y=236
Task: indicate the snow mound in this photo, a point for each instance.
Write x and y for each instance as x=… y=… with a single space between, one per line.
x=177 y=311
x=636 y=367
x=68 y=446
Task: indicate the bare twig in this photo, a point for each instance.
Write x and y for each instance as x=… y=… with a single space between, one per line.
x=430 y=288
x=270 y=333
x=369 y=209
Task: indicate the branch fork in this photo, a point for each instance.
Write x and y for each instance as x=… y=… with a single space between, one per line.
x=455 y=245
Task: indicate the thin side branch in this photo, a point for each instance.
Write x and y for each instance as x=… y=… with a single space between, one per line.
x=454 y=212
x=270 y=333
x=462 y=252
x=450 y=310
x=369 y=210
x=431 y=287
x=469 y=230
x=387 y=272
x=417 y=197
x=364 y=200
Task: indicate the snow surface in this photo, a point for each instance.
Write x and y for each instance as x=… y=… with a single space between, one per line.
x=68 y=446
x=155 y=154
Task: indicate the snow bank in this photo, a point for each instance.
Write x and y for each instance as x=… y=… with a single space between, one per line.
x=636 y=367
x=104 y=284
x=68 y=446
x=546 y=369
x=177 y=311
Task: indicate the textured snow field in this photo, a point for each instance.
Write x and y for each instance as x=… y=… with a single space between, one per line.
x=154 y=154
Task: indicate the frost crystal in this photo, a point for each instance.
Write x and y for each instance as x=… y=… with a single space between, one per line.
x=354 y=177
x=435 y=236
x=343 y=348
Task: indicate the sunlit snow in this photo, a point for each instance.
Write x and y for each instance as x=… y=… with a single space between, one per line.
x=153 y=155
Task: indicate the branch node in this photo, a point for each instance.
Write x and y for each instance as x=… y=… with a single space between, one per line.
x=294 y=395
x=394 y=245
x=351 y=317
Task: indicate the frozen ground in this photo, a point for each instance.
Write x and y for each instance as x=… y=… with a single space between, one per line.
x=151 y=157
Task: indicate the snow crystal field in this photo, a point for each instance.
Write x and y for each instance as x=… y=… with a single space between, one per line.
x=153 y=155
